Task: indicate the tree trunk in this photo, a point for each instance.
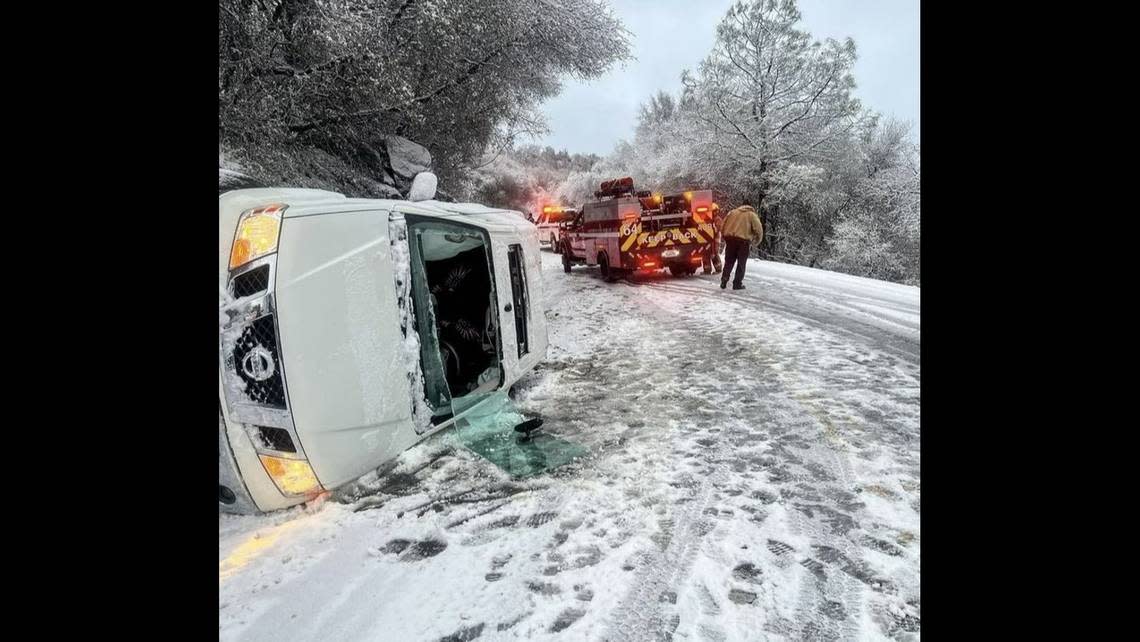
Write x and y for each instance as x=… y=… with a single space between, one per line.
x=767 y=220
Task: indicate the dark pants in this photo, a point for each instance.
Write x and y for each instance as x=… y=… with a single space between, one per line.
x=712 y=260
x=735 y=252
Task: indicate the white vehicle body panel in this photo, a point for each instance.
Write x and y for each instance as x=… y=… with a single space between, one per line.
x=547 y=232
x=548 y=229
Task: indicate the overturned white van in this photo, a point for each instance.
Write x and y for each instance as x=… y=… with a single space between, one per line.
x=352 y=328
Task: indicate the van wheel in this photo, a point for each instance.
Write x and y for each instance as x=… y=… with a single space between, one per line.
x=604 y=268
x=566 y=260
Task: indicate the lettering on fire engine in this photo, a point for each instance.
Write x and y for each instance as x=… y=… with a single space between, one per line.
x=671 y=236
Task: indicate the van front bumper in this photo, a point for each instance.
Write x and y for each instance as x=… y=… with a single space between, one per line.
x=233 y=496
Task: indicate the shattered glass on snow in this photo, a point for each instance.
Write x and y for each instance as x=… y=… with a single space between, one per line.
x=489 y=431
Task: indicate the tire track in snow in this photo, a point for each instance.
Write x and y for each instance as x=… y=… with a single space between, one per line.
x=829 y=603
x=826 y=597
x=837 y=593
x=642 y=614
x=893 y=344
x=646 y=611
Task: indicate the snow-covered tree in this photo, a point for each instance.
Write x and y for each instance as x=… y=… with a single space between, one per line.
x=769 y=99
x=452 y=75
x=878 y=232
x=770 y=116
x=526 y=178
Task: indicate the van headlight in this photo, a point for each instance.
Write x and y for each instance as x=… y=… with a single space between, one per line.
x=292 y=476
x=258 y=231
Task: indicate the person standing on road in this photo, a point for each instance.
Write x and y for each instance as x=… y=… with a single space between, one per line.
x=718 y=222
x=713 y=264
x=741 y=229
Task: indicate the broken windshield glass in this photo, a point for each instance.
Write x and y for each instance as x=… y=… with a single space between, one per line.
x=489 y=431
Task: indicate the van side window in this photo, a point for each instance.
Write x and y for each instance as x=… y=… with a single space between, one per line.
x=521 y=298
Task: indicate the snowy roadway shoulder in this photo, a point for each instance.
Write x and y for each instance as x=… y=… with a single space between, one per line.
x=753 y=472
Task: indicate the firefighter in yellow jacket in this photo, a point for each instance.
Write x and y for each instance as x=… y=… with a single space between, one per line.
x=712 y=262
x=741 y=230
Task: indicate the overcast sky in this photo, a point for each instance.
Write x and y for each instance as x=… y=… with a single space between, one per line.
x=671 y=35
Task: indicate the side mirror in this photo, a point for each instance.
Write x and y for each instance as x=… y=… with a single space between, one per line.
x=423 y=187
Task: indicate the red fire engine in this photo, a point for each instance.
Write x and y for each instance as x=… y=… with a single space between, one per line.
x=625 y=231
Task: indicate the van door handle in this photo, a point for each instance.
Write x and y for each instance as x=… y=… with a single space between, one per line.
x=508 y=308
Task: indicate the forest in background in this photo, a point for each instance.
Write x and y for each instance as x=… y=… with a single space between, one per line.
x=359 y=95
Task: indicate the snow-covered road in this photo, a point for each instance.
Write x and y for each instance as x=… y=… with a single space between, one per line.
x=753 y=473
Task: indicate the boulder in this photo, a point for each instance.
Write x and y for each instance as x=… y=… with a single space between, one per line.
x=405 y=157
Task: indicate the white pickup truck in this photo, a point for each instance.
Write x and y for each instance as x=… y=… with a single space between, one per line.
x=350 y=329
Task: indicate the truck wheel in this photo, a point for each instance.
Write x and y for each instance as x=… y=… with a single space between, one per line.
x=604 y=267
x=566 y=260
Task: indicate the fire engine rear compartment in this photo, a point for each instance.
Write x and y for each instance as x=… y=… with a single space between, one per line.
x=455 y=313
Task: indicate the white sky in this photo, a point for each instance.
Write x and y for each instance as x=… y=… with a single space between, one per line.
x=671 y=35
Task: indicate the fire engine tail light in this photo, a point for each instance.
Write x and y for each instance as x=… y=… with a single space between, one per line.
x=702 y=210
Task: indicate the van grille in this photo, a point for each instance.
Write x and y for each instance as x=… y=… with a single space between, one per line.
x=252 y=282
x=258 y=363
x=276 y=439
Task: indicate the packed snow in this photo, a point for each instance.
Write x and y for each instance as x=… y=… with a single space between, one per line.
x=752 y=473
